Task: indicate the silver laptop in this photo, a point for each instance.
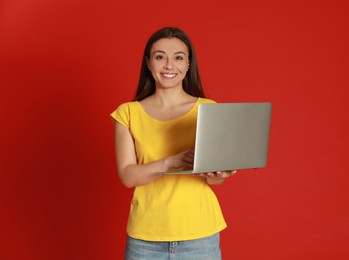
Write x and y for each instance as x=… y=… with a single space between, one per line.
x=231 y=136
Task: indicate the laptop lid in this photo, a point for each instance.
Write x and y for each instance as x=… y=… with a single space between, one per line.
x=231 y=136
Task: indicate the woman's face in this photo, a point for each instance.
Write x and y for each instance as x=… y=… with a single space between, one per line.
x=168 y=62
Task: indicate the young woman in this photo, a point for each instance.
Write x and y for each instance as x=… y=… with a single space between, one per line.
x=171 y=215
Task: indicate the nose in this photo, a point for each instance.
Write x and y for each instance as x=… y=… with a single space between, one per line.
x=168 y=64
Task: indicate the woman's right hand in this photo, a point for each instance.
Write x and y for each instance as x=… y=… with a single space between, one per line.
x=183 y=160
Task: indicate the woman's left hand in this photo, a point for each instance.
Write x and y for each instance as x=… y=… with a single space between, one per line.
x=217 y=177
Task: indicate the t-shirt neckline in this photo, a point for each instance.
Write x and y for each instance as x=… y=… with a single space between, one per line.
x=170 y=120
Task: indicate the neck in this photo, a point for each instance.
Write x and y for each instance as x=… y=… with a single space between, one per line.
x=170 y=97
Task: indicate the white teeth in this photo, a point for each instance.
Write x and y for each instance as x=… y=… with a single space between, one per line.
x=168 y=75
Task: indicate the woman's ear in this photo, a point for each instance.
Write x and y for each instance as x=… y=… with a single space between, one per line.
x=148 y=62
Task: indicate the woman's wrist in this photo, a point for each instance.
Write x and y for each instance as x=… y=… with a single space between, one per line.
x=166 y=163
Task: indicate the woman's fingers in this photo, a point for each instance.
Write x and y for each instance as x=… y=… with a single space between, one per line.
x=220 y=174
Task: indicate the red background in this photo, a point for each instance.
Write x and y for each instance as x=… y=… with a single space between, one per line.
x=66 y=65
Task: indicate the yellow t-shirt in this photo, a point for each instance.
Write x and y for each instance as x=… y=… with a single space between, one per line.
x=173 y=207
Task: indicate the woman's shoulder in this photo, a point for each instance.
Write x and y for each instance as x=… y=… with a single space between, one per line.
x=126 y=106
x=206 y=100
x=125 y=109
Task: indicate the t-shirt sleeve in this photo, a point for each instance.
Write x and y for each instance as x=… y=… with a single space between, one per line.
x=122 y=114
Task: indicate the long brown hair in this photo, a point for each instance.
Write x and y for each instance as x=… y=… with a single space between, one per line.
x=191 y=82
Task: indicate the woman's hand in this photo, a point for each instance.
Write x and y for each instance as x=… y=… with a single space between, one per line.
x=217 y=177
x=183 y=160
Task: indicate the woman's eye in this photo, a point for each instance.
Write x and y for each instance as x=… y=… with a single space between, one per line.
x=179 y=58
x=159 y=57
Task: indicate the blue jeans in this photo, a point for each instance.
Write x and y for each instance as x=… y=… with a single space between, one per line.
x=207 y=248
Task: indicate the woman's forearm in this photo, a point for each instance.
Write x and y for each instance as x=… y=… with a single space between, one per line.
x=140 y=174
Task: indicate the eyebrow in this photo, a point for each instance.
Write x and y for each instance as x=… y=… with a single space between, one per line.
x=178 y=52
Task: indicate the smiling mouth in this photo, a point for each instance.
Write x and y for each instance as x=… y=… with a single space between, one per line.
x=169 y=75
